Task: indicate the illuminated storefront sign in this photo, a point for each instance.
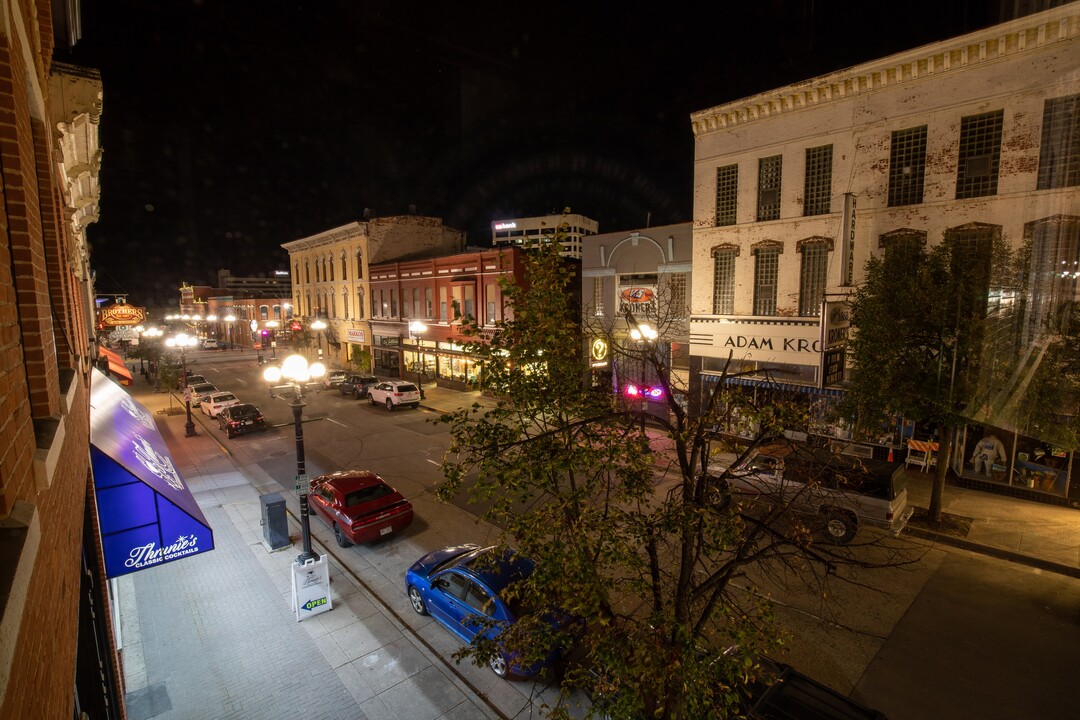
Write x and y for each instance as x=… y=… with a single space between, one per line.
x=637 y=295
x=505 y=225
x=598 y=353
x=122 y=314
x=147 y=515
x=356 y=336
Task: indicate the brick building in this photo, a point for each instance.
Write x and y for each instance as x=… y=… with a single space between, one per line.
x=439 y=292
x=57 y=658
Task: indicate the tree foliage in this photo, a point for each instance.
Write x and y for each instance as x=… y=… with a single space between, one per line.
x=629 y=539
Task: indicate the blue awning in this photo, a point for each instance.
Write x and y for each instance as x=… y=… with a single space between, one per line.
x=146 y=513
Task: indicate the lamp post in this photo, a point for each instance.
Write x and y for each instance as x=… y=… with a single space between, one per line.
x=643 y=335
x=185 y=341
x=273 y=325
x=319 y=326
x=294 y=376
x=229 y=320
x=152 y=334
x=416 y=329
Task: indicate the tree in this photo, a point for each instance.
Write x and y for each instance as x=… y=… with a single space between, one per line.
x=644 y=548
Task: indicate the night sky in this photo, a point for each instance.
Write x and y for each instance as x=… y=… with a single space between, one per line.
x=230 y=127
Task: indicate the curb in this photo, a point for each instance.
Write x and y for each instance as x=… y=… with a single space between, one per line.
x=1000 y=553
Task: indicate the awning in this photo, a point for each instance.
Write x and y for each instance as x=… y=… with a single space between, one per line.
x=146 y=513
x=116 y=365
x=773 y=385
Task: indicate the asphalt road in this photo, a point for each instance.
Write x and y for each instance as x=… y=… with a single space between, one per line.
x=952 y=635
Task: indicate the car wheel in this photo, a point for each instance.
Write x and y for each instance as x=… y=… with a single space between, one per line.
x=355 y=394
x=389 y=404
x=718 y=494
x=339 y=535
x=370 y=399
x=499 y=666
x=417 y=601
x=230 y=434
x=840 y=526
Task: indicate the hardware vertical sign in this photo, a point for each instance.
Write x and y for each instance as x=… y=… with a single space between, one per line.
x=847 y=245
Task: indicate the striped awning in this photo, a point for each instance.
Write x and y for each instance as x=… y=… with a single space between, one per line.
x=786 y=387
x=116 y=366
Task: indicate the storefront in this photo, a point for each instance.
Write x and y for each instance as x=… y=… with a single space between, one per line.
x=386 y=355
x=445 y=363
x=985 y=455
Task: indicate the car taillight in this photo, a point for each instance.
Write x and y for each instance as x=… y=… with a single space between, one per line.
x=397 y=394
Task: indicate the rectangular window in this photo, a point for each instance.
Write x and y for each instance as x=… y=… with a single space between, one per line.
x=766 y=270
x=980 y=155
x=818 y=193
x=1059 y=154
x=815 y=266
x=598 y=296
x=442 y=305
x=907 y=166
x=723 y=281
x=469 y=302
x=679 y=308
x=727 y=191
x=491 y=296
x=768 y=202
x=429 y=306
x=393 y=302
x=416 y=302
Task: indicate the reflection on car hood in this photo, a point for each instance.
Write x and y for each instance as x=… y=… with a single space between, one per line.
x=427 y=564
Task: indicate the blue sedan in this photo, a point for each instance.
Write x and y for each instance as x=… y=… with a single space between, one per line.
x=460 y=586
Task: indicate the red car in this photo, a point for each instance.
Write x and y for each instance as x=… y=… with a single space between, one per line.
x=359 y=505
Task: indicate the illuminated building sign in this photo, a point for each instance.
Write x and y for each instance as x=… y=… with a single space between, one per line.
x=598 y=353
x=637 y=295
x=505 y=225
x=122 y=314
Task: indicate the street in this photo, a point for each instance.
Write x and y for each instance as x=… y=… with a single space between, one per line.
x=955 y=634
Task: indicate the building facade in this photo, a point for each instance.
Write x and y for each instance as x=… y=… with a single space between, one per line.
x=330 y=275
x=57 y=655
x=795 y=188
x=638 y=276
x=523 y=232
x=440 y=293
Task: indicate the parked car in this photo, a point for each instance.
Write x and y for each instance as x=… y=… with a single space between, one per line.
x=210 y=344
x=333 y=379
x=359 y=506
x=839 y=492
x=394 y=393
x=191 y=380
x=215 y=402
x=241 y=418
x=460 y=584
x=357 y=385
x=200 y=391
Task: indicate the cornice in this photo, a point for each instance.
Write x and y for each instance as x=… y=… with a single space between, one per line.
x=1012 y=39
x=328 y=237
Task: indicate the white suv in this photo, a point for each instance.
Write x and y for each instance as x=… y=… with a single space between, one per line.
x=393 y=393
x=215 y=402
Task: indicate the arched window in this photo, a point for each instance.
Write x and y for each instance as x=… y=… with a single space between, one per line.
x=344 y=295
x=344 y=268
x=814 y=274
x=359 y=303
x=766 y=272
x=296 y=273
x=331 y=264
x=307 y=272
x=316 y=270
x=359 y=265
x=724 y=279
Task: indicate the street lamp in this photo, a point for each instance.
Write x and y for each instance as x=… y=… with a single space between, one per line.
x=416 y=329
x=319 y=326
x=294 y=376
x=229 y=320
x=643 y=335
x=185 y=341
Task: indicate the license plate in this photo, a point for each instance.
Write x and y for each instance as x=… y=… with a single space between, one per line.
x=386 y=530
x=247 y=422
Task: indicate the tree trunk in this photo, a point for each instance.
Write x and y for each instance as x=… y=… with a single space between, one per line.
x=942 y=468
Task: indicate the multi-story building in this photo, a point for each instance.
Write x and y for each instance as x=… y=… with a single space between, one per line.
x=330 y=274
x=640 y=276
x=439 y=292
x=795 y=188
x=531 y=231
x=236 y=318
x=57 y=655
x=276 y=285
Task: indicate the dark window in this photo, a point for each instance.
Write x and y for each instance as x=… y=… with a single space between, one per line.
x=769 y=172
x=980 y=154
x=724 y=281
x=818 y=180
x=453 y=584
x=814 y=276
x=907 y=166
x=1059 y=155
x=478 y=599
x=727 y=190
x=766 y=270
x=363 y=495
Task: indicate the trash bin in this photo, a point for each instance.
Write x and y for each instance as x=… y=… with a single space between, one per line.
x=275 y=527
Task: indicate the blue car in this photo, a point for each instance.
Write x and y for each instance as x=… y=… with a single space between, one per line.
x=459 y=585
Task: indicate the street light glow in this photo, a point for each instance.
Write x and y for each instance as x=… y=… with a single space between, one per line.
x=318 y=325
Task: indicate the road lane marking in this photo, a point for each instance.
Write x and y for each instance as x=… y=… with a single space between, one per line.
x=433 y=462
x=336 y=422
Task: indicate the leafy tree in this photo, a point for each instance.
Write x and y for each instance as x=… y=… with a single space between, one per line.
x=643 y=547
x=360 y=358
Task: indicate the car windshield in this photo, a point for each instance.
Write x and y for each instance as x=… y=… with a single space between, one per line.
x=359 y=497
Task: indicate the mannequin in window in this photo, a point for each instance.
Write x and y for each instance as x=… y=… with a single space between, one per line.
x=987 y=452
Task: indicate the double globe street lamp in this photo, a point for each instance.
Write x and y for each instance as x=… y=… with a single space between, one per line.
x=416 y=329
x=183 y=341
x=291 y=379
